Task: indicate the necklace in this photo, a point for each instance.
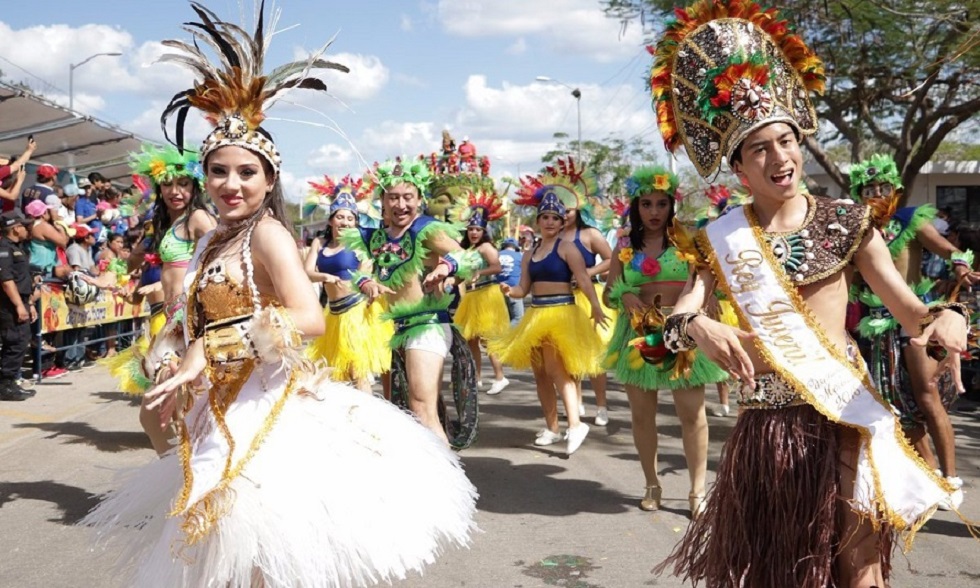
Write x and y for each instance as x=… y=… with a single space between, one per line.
x=792 y=249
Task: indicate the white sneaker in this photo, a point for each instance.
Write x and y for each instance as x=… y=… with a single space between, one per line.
x=581 y=410
x=498 y=386
x=602 y=417
x=576 y=435
x=547 y=437
x=956 y=498
x=721 y=410
x=479 y=384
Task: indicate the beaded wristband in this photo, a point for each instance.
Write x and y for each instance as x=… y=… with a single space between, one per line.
x=451 y=264
x=676 y=338
x=934 y=311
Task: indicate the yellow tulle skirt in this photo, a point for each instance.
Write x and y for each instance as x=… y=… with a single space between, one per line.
x=482 y=313
x=726 y=313
x=605 y=333
x=355 y=342
x=126 y=366
x=565 y=327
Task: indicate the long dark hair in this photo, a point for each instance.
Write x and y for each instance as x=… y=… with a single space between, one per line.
x=636 y=224
x=484 y=239
x=161 y=216
x=327 y=235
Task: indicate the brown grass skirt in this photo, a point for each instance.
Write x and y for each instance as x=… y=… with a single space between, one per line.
x=774 y=513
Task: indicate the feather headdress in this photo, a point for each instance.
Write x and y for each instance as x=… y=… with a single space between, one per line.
x=344 y=194
x=649 y=179
x=576 y=179
x=878 y=169
x=725 y=68
x=234 y=91
x=163 y=164
x=478 y=209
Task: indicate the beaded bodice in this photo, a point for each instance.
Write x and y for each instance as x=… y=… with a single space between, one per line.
x=823 y=245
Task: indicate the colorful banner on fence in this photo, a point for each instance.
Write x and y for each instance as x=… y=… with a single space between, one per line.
x=108 y=307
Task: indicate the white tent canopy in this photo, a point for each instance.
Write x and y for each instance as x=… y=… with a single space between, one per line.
x=71 y=141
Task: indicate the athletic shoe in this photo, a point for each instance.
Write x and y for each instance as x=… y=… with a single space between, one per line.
x=721 y=410
x=602 y=417
x=498 y=386
x=53 y=372
x=479 y=384
x=956 y=498
x=547 y=438
x=74 y=366
x=576 y=435
x=581 y=410
x=25 y=384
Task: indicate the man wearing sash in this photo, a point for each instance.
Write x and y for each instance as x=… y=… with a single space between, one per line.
x=803 y=495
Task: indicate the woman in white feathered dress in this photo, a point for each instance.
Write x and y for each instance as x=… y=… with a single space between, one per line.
x=281 y=477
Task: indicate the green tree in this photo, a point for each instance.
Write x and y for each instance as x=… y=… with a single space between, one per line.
x=901 y=74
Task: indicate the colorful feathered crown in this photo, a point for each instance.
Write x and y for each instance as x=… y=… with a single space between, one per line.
x=650 y=179
x=722 y=70
x=478 y=209
x=400 y=171
x=234 y=92
x=878 y=169
x=163 y=164
x=345 y=194
x=576 y=179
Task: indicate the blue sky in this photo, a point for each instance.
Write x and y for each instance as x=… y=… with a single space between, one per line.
x=417 y=68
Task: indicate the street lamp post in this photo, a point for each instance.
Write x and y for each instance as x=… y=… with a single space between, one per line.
x=577 y=94
x=71 y=75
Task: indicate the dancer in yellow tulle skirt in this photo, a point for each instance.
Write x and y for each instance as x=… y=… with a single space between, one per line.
x=356 y=340
x=554 y=338
x=482 y=312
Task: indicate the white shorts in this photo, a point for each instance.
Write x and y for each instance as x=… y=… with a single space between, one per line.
x=432 y=340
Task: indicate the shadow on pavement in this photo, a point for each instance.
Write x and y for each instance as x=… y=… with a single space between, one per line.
x=73 y=502
x=120 y=397
x=946 y=528
x=533 y=489
x=109 y=441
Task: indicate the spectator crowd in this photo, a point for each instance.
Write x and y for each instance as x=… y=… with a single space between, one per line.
x=79 y=233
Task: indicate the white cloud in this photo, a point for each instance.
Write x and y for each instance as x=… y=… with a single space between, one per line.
x=392 y=138
x=519 y=47
x=333 y=159
x=367 y=76
x=541 y=109
x=576 y=27
x=48 y=51
x=147 y=125
x=295 y=188
x=406 y=23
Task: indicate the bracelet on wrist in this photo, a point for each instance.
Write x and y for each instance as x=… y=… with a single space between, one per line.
x=676 y=337
x=450 y=263
x=961 y=258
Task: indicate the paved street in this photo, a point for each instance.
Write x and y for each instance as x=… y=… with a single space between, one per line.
x=546 y=520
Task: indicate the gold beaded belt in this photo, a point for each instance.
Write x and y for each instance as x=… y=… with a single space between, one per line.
x=771 y=391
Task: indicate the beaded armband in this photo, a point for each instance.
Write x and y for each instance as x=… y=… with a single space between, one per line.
x=675 y=332
x=450 y=263
x=360 y=278
x=963 y=258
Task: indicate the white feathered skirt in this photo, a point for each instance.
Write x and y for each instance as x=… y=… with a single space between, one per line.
x=341 y=489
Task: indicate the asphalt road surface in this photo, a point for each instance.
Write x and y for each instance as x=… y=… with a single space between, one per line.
x=546 y=520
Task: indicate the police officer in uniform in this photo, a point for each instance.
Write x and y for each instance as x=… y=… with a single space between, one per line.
x=16 y=311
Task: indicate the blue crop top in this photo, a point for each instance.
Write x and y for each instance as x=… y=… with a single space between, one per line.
x=340 y=264
x=550 y=269
x=587 y=255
